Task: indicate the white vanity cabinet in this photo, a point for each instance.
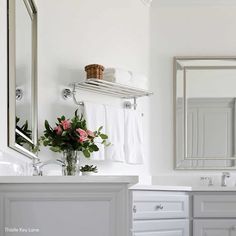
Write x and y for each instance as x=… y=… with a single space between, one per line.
x=86 y=206
x=159 y=213
x=214 y=214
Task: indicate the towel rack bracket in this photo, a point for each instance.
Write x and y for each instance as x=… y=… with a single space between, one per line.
x=129 y=105
x=68 y=94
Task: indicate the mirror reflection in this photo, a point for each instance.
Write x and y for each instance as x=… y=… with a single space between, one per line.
x=205 y=113
x=22 y=76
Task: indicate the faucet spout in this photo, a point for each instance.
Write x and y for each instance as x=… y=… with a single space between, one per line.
x=225 y=175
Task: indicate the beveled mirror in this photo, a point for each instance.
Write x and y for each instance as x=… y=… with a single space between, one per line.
x=205 y=112
x=22 y=76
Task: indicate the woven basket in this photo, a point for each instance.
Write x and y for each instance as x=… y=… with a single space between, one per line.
x=94 y=71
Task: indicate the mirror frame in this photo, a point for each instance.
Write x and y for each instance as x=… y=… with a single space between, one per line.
x=32 y=10
x=175 y=102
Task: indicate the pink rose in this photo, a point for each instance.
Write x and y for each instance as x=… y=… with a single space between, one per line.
x=66 y=124
x=58 y=130
x=81 y=140
x=83 y=135
x=90 y=133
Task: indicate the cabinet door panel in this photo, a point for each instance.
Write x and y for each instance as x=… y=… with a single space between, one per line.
x=214 y=206
x=161 y=228
x=214 y=228
x=62 y=214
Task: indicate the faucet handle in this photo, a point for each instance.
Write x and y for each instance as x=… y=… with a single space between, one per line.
x=226 y=174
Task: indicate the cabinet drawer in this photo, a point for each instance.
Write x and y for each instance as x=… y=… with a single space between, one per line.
x=214 y=227
x=161 y=228
x=215 y=206
x=159 y=205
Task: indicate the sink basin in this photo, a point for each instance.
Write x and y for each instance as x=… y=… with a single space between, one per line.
x=10 y=169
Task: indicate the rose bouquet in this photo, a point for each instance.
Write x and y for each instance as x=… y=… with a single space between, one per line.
x=70 y=136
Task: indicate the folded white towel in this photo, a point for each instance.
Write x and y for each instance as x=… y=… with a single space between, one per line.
x=95 y=117
x=133 y=146
x=115 y=132
x=122 y=76
x=117 y=75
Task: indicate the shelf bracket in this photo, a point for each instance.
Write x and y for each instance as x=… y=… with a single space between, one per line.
x=68 y=93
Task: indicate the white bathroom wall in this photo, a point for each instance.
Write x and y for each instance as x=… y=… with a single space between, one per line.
x=182 y=28
x=74 y=33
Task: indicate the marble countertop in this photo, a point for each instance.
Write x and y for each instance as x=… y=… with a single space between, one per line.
x=94 y=179
x=183 y=188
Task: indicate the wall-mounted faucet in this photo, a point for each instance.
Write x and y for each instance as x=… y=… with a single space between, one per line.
x=37 y=166
x=224 y=176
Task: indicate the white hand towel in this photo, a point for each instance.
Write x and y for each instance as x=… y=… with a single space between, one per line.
x=95 y=117
x=134 y=150
x=115 y=132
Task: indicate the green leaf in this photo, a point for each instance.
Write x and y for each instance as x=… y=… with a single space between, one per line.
x=63 y=118
x=46 y=124
x=94 y=148
x=100 y=128
x=55 y=149
x=64 y=133
x=103 y=136
x=86 y=153
x=76 y=112
x=46 y=142
x=17 y=119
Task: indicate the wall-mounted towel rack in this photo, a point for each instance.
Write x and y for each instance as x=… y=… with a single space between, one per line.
x=106 y=88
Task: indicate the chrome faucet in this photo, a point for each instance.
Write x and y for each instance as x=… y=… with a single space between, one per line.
x=37 y=166
x=224 y=176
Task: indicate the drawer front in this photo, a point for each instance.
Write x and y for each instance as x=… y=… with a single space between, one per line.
x=214 y=227
x=215 y=206
x=161 y=228
x=159 y=205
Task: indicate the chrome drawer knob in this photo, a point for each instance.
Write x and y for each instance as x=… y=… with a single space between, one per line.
x=134 y=209
x=159 y=207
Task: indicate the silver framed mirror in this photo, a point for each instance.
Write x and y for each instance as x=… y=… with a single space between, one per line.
x=22 y=76
x=205 y=113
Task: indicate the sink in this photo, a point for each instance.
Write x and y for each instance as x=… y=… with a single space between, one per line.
x=10 y=169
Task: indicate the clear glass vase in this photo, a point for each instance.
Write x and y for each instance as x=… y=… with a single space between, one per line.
x=71 y=161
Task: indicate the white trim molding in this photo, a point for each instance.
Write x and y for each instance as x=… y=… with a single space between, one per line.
x=147 y=2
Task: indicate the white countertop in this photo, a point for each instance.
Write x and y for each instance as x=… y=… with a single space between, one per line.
x=183 y=188
x=109 y=179
x=94 y=179
x=161 y=188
